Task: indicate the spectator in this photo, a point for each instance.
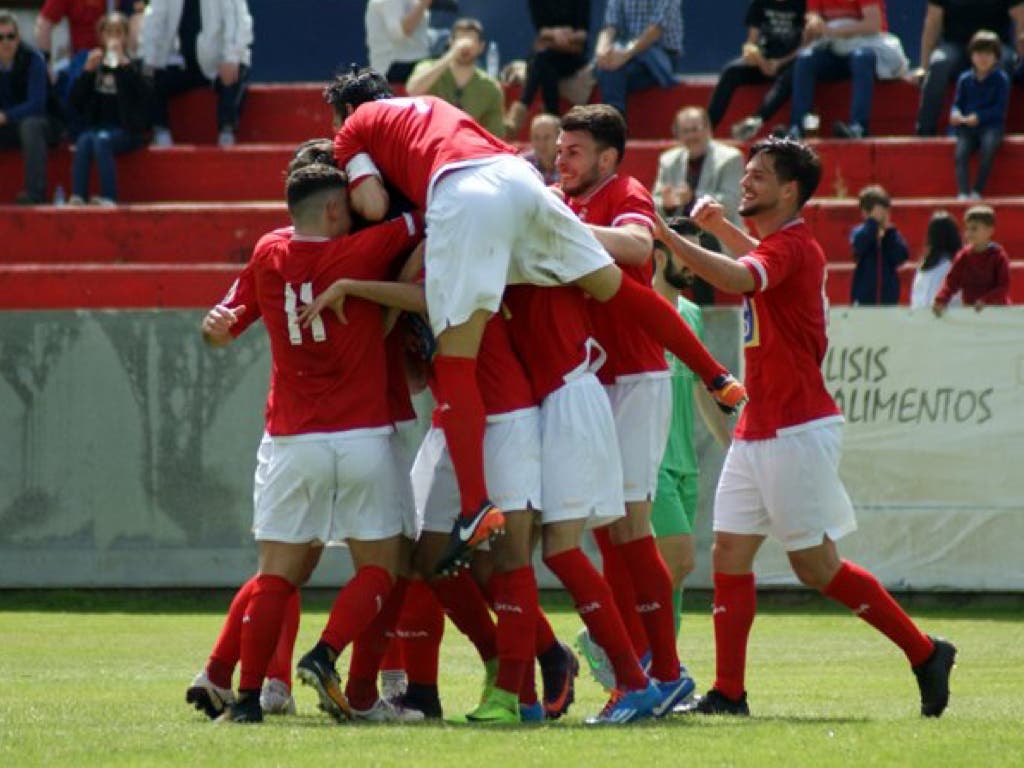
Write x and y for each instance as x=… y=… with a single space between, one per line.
x=637 y=47
x=562 y=29
x=878 y=249
x=544 y=146
x=981 y=270
x=698 y=166
x=775 y=30
x=948 y=27
x=397 y=36
x=849 y=41
x=190 y=44
x=27 y=109
x=112 y=100
x=943 y=243
x=457 y=79
x=978 y=115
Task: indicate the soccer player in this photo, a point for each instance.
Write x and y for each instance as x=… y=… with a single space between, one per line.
x=492 y=222
x=326 y=469
x=781 y=474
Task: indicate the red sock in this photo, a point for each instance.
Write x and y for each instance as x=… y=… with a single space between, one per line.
x=545 y=633
x=617 y=575
x=357 y=604
x=515 y=604
x=528 y=688
x=596 y=606
x=653 y=587
x=224 y=656
x=261 y=627
x=420 y=629
x=662 y=322
x=392 y=660
x=462 y=418
x=466 y=606
x=280 y=667
x=369 y=648
x=733 y=613
x=863 y=594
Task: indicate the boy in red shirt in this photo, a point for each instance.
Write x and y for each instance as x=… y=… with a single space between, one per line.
x=981 y=270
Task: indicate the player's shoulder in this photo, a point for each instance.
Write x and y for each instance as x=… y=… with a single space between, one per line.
x=273 y=241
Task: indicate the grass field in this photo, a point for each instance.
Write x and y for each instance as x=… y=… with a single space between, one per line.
x=98 y=679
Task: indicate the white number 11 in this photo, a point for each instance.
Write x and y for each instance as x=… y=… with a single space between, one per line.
x=291 y=311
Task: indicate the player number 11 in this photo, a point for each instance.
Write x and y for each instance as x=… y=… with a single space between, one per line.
x=291 y=300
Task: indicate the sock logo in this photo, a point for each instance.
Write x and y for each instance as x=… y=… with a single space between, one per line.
x=246 y=619
x=583 y=610
x=861 y=609
x=411 y=634
x=717 y=609
x=507 y=608
x=648 y=607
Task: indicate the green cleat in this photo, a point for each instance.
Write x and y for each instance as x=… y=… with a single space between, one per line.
x=499 y=708
x=490 y=678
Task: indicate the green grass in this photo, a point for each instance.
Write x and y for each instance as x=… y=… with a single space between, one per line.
x=98 y=679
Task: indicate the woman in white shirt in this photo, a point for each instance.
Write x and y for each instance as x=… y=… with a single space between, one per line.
x=943 y=243
x=397 y=36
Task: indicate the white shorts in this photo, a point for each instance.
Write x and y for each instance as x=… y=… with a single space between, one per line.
x=511 y=468
x=326 y=487
x=495 y=223
x=404 y=443
x=787 y=487
x=582 y=469
x=642 y=406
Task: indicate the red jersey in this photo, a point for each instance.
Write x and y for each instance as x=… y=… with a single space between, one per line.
x=617 y=201
x=399 y=399
x=411 y=139
x=329 y=377
x=82 y=16
x=784 y=334
x=981 y=276
x=831 y=10
x=549 y=329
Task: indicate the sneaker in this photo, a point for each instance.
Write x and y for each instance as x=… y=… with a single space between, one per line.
x=714 y=702
x=102 y=202
x=246 y=710
x=598 y=661
x=76 y=200
x=317 y=670
x=423 y=699
x=393 y=683
x=975 y=196
x=499 y=708
x=469 y=533
x=673 y=693
x=933 y=677
x=626 y=707
x=728 y=392
x=226 y=138
x=162 y=138
x=384 y=711
x=490 y=679
x=532 y=713
x=747 y=129
x=276 y=698
x=843 y=130
x=559 y=680
x=210 y=699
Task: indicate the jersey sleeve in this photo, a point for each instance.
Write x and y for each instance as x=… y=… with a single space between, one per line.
x=636 y=207
x=243 y=293
x=770 y=263
x=348 y=140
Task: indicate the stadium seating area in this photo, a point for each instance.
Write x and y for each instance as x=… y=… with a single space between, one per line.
x=194 y=211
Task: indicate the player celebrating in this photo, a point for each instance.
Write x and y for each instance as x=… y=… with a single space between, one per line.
x=492 y=222
x=781 y=473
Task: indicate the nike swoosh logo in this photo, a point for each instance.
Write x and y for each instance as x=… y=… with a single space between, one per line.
x=466 y=531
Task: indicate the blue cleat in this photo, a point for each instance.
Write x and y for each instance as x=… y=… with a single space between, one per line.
x=531 y=713
x=627 y=707
x=673 y=693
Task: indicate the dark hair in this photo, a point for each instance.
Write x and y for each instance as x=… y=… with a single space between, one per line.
x=309 y=180
x=8 y=19
x=355 y=87
x=603 y=122
x=942 y=241
x=111 y=19
x=985 y=40
x=983 y=214
x=793 y=161
x=467 y=24
x=873 y=195
x=684 y=226
x=312 y=151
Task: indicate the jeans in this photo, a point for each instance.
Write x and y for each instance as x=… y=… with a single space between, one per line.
x=172 y=81
x=946 y=63
x=101 y=144
x=984 y=141
x=33 y=135
x=820 y=63
x=650 y=68
x=544 y=71
x=738 y=72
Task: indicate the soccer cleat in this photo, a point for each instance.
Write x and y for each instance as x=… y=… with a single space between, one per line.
x=747 y=128
x=490 y=678
x=714 y=702
x=384 y=711
x=673 y=693
x=210 y=699
x=393 y=683
x=843 y=130
x=560 y=683
x=933 y=677
x=317 y=670
x=499 y=708
x=467 y=534
x=531 y=713
x=728 y=392
x=600 y=665
x=422 y=698
x=245 y=710
x=276 y=698
x=627 y=707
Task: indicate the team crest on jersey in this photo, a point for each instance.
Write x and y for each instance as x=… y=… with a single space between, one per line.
x=751 y=330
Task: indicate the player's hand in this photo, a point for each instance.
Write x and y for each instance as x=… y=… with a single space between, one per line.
x=218 y=321
x=708 y=213
x=333 y=298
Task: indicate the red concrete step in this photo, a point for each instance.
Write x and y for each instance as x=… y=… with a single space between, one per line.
x=136 y=234
x=840 y=279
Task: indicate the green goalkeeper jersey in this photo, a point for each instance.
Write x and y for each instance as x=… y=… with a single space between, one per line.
x=680 y=451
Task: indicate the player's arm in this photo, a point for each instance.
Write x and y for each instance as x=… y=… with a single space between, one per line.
x=629 y=244
x=218 y=322
x=709 y=215
x=409 y=297
x=366 y=192
x=715 y=419
x=719 y=270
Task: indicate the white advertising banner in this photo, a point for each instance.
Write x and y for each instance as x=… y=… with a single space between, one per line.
x=933 y=453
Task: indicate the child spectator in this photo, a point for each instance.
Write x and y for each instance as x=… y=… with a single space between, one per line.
x=878 y=249
x=942 y=244
x=981 y=270
x=544 y=146
x=112 y=100
x=979 y=112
